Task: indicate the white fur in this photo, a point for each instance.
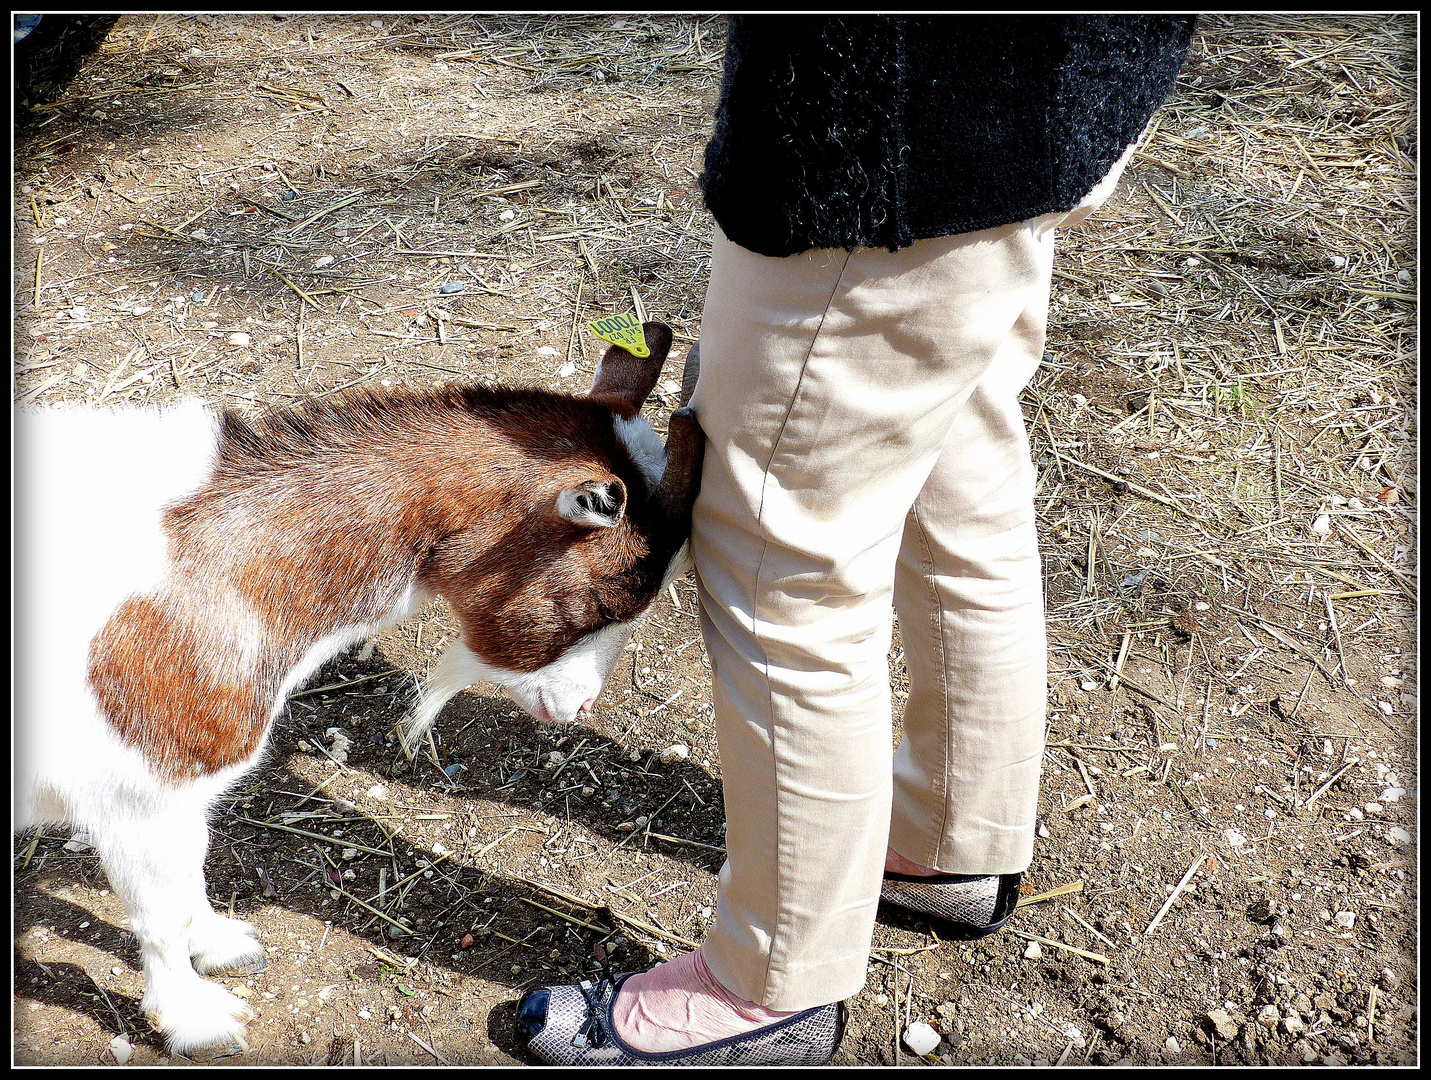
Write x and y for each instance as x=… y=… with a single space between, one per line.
x=90 y=488
x=644 y=445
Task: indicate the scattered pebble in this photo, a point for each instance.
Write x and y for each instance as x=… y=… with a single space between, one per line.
x=1269 y=1016
x=546 y=350
x=452 y=287
x=1201 y=605
x=326 y=260
x=1322 y=526
x=507 y=215
x=1033 y=952
x=567 y=370
x=1221 y=1023
x=377 y=791
x=1172 y=1046
x=1392 y=794
x=121 y=1048
x=1234 y=838
x=340 y=744
x=76 y=845
x=239 y=338
x=678 y=752
x=1345 y=919
x=921 y=1038
x=1398 y=835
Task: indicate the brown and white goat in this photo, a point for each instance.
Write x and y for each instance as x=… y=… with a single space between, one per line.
x=180 y=573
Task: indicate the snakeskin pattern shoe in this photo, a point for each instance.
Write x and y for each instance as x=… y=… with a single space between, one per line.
x=972 y=905
x=572 y=1025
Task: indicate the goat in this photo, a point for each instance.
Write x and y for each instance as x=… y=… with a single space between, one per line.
x=182 y=572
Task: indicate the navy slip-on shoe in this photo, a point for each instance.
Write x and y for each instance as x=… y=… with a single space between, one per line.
x=571 y=1025
x=975 y=905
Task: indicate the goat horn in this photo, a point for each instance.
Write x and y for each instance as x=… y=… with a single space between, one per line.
x=681 y=482
x=689 y=374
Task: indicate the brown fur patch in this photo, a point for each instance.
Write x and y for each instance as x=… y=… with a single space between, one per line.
x=151 y=672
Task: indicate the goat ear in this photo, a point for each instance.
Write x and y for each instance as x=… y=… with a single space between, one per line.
x=626 y=380
x=596 y=504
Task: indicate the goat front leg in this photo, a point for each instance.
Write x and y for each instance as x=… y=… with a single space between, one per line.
x=456 y=670
x=155 y=861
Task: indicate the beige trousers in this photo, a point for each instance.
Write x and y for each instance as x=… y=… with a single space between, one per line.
x=866 y=445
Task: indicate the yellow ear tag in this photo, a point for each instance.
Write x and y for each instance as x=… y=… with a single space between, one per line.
x=623 y=330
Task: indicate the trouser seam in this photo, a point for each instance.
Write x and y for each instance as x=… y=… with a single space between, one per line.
x=755 y=616
x=936 y=626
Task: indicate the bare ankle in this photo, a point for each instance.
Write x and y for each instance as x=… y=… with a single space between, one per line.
x=896 y=863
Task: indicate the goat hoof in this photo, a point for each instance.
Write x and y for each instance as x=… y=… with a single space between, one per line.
x=222 y=946
x=231 y=1047
x=240 y=965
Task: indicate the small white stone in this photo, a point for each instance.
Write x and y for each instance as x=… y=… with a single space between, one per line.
x=116 y=970
x=1392 y=794
x=677 y=752
x=377 y=791
x=1172 y=1046
x=567 y=371
x=141 y=310
x=1234 y=838
x=326 y=260
x=1373 y=808
x=1338 y=261
x=1269 y=1016
x=121 y=1048
x=1033 y=952
x=1386 y=707
x=1398 y=835
x=1322 y=525
x=921 y=1038
x=1042 y=831
x=546 y=350
x=239 y=338
x=350 y=853
x=76 y=845
x=507 y=215
x=1345 y=919
x=1201 y=605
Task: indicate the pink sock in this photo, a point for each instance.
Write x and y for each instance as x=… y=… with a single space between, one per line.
x=898 y=864
x=679 y=1004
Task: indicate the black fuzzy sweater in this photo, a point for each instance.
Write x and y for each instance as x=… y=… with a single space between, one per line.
x=876 y=131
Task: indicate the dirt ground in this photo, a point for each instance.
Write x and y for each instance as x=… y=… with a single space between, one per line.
x=256 y=209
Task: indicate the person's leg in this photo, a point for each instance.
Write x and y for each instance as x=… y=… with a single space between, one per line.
x=969 y=594
x=828 y=385
x=970 y=601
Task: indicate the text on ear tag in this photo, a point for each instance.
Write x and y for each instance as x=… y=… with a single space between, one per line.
x=623 y=330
